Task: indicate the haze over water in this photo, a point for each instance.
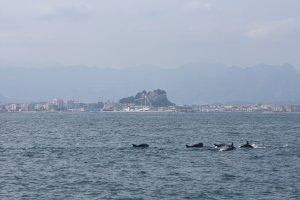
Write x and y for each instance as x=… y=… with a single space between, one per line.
x=89 y=156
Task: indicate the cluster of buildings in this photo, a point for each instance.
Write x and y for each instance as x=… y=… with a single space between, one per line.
x=76 y=106
x=58 y=105
x=248 y=108
x=52 y=106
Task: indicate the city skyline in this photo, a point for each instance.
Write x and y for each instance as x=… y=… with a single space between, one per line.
x=72 y=105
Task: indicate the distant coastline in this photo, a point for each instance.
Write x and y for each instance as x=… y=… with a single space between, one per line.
x=58 y=105
x=151 y=101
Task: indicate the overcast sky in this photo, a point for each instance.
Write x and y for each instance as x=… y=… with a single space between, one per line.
x=167 y=33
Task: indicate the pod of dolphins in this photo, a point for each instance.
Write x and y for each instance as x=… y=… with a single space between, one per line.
x=221 y=147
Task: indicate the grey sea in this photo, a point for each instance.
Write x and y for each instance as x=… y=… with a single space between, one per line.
x=90 y=156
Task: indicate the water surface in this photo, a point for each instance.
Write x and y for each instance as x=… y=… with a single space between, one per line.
x=89 y=156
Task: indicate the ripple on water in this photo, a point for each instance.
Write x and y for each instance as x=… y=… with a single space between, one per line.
x=89 y=156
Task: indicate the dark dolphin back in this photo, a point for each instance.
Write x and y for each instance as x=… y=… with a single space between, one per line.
x=219 y=145
x=247 y=145
x=141 y=145
x=198 y=145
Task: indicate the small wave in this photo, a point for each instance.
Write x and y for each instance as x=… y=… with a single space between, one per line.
x=286 y=145
x=257 y=146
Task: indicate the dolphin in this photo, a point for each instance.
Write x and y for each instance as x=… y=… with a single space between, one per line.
x=198 y=145
x=247 y=145
x=140 y=145
x=220 y=145
x=227 y=147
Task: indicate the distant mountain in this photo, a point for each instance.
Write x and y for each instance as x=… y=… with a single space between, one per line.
x=190 y=84
x=155 y=98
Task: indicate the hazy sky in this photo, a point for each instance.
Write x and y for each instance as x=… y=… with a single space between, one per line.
x=122 y=33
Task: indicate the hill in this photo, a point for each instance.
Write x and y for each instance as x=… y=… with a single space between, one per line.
x=155 y=98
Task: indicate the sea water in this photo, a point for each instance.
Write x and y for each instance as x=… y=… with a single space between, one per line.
x=90 y=156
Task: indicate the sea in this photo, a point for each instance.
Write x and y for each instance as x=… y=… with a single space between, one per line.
x=90 y=156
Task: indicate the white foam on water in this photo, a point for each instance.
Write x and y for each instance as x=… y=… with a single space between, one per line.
x=257 y=147
x=221 y=149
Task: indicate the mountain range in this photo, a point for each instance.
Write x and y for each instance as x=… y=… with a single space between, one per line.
x=189 y=84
